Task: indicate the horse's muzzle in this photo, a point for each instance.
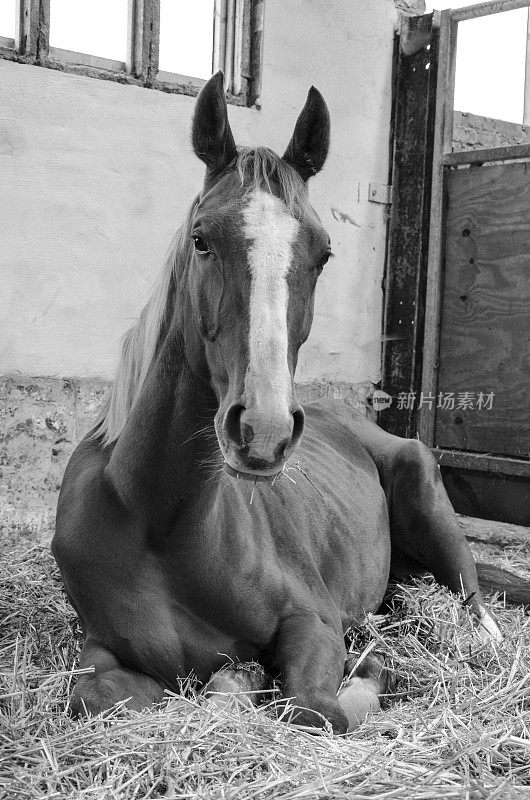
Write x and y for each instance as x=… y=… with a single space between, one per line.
x=260 y=440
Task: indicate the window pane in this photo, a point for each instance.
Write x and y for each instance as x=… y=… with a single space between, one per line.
x=490 y=65
x=96 y=27
x=186 y=37
x=8 y=10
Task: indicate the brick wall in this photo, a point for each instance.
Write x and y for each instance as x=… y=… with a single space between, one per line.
x=471 y=132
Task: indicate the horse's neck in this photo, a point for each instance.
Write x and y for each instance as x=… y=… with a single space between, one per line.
x=165 y=451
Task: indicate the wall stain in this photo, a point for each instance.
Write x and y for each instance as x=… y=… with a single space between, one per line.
x=341 y=216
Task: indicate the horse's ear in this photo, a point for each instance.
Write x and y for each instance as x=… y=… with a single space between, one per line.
x=212 y=138
x=309 y=145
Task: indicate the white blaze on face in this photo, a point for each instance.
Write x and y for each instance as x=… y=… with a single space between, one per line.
x=271 y=231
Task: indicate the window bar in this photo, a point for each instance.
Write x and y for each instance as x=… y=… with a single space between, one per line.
x=33 y=28
x=27 y=27
x=256 y=39
x=43 y=36
x=245 y=67
x=238 y=45
x=449 y=90
x=526 y=113
x=143 y=39
x=219 y=35
x=229 y=44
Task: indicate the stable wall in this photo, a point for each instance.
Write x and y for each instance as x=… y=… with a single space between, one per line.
x=97 y=176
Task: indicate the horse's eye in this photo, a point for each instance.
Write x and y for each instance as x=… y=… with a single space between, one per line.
x=325 y=258
x=200 y=244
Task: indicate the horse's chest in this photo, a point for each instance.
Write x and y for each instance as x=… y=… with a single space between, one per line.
x=353 y=556
x=266 y=553
x=221 y=587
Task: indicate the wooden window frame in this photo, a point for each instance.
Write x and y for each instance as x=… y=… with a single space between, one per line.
x=238 y=26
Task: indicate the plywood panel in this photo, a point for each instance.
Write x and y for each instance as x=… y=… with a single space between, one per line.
x=495 y=497
x=485 y=326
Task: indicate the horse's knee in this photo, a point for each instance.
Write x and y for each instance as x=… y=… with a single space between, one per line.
x=415 y=462
x=110 y=684
x=419 y=498
x=94 y=694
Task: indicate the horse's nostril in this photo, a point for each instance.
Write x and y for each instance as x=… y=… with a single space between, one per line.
x=233 y=424
x=298 y=425
x=281 y=448
x=265 y=434
x=247 y=432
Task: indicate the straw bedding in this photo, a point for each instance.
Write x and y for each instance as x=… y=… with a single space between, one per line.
x=458 y=725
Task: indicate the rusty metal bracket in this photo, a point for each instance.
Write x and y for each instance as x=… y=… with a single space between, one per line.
x=380 y=193
x=416 y=33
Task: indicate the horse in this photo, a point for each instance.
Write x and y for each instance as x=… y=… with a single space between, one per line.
x=207 y=517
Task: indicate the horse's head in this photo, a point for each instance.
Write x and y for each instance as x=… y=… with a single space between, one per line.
x=259 y=248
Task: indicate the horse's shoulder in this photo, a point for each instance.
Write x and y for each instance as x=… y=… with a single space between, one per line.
x=84 y=494
x=85 y=468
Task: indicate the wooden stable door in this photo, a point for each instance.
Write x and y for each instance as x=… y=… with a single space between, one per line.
x=456 y=338
x=484 y=345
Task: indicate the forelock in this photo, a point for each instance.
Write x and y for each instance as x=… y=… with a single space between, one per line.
x=261 y=169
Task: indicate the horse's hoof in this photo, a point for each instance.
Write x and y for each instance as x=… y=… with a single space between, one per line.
x=487 y=627
x=227 y=693
x=358 y=698
x=231 y=685
x=372 y=667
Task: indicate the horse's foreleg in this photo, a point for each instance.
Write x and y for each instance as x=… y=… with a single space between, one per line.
x=424 y=528
x=311 y=654
x=110 y=683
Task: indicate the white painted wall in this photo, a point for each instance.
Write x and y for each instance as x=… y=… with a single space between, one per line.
x=96 y=177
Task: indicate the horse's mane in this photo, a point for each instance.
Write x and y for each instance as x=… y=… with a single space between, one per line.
x=258 y=168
